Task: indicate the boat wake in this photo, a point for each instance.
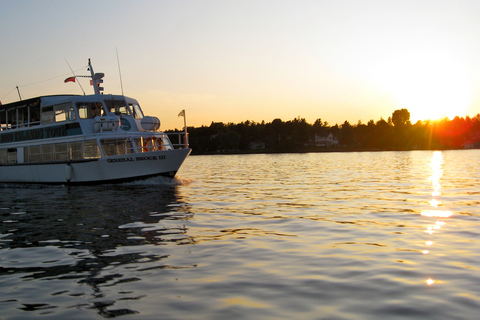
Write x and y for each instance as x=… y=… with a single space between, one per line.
x=159 y=181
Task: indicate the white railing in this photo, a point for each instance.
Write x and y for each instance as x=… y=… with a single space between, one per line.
x=179 y=140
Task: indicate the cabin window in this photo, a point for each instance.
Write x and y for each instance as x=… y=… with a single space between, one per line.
x=91 y=150
x=113 y=147
x=117 y=107
x=47 y=153
x=12 y=118
x=3 y=156
x=34 y=154
x=137 y=111
x=8 y=156
x=57 y=113
x=109 y=147
x=22 y=116
x=75 y=150
x=12 y=155
x=90 y=110
x=34 y=115
x=47 y=115
x=60 y=111
x=54 y=152
x=61 y=153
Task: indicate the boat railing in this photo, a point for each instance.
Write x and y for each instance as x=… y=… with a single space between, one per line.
x=179 y=140
x=8 y=126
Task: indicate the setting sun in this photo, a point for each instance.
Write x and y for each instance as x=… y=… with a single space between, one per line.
x=429 y=85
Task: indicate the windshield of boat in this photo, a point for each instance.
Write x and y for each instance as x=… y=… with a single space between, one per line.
x=90 y=110
x=137 y=111
x=118 y=107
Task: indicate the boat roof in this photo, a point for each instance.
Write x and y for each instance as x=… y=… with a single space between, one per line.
x=59 y=98
x=34 y=100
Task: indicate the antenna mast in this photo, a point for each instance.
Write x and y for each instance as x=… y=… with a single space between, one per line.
x=96 y=79
x=19 y=94
x=119 y=71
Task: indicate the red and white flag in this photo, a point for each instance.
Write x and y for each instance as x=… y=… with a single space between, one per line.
x=70 y=79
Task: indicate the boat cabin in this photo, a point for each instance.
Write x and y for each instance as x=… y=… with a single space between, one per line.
x=74 y=127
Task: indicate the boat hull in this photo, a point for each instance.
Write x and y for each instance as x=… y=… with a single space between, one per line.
x=102 y=170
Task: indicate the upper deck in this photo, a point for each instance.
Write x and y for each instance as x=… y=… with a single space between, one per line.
x=66 y=115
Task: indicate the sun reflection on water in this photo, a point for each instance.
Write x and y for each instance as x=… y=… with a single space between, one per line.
x=437 y=173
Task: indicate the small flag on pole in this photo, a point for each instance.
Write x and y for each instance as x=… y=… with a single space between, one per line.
x=70 y=79
x=182 y=113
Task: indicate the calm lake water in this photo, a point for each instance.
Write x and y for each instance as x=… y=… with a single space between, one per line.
x=381 y=235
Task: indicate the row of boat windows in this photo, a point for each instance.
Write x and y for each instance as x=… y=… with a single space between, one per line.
x=78 y=150
x=32 y=115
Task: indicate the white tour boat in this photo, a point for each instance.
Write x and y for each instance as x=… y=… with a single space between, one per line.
x=81 y=139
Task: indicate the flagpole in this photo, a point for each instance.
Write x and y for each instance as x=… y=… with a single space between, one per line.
x=185 y=133
x=185 y=126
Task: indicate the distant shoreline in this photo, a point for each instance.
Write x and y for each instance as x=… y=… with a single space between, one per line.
x=318 y=150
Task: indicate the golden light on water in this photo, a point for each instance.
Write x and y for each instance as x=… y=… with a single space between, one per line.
x=437 y=173
x=436 y=193
x=436 y=213
x=434 y=203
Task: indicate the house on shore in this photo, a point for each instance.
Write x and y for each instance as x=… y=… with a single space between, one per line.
x=257 y=145
x=326 y=141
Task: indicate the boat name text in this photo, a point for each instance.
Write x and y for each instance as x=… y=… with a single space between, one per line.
x=140 y=158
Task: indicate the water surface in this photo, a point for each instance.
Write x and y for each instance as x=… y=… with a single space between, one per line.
x=381 y=235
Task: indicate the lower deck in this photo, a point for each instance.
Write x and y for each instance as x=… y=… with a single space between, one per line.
x=116 y=168
x=85 y=149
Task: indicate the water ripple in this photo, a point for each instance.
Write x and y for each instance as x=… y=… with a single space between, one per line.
x=382 y=235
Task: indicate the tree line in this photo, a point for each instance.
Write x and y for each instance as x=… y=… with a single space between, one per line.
x=297 y=135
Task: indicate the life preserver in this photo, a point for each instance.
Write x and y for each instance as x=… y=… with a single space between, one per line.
x=146 y=141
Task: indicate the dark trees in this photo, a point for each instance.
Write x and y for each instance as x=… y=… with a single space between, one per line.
x=401 y=118
x=297 y=135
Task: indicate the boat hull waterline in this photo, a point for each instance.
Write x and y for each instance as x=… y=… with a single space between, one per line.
x=102 y=170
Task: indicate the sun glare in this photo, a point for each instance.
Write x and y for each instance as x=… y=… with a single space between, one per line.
x=430 y=86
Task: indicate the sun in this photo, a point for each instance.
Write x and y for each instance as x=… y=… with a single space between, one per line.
x=430 y=86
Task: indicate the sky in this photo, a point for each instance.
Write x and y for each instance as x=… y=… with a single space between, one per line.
x=257 y=60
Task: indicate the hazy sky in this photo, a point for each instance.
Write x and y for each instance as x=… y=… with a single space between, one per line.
x=232 y=61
